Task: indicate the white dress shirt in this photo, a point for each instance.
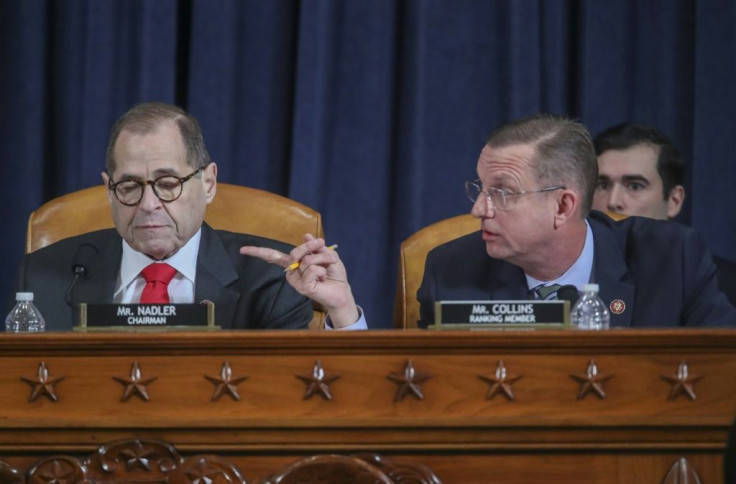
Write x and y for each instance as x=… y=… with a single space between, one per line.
x=131 y=282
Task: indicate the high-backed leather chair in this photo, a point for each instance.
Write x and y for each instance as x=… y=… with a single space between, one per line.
x=413 y=255
x=235 y=208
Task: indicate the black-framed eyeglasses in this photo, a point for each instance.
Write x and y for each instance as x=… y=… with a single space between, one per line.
x=498 y=198
x=167 y=188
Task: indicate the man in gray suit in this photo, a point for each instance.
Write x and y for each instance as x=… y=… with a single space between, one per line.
x=160 y=179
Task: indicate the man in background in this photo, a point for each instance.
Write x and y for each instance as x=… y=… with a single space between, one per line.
x=641 y=172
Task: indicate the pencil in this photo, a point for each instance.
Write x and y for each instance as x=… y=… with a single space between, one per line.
x=296 y=264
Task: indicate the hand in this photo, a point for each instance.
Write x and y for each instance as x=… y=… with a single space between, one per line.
x=321 y=276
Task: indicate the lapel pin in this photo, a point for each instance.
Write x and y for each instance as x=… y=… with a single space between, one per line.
x=617 y=306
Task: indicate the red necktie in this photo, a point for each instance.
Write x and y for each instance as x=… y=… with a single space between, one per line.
x=157 y=278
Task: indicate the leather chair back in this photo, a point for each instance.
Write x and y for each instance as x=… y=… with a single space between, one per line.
x=235 y=208
x=413 y=255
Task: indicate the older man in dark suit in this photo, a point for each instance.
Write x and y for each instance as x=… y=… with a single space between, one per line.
x=160 y=179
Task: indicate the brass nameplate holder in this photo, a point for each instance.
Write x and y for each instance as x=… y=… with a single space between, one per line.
x=502 y=315
x=146 y=317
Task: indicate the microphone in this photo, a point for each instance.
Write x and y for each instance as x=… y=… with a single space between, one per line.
x=83 y=261
x=568 y=292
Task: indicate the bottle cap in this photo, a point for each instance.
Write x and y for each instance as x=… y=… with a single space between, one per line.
x=24 y=296
x=590 y=288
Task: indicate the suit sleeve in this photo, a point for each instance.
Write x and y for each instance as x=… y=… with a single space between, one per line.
x=289 y=309
x=704 y=304
x=267 y=301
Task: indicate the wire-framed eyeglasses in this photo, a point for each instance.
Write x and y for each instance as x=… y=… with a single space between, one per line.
x=167 y=188
x=498 y=198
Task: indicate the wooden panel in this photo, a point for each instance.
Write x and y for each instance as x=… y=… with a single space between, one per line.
x=539 y=436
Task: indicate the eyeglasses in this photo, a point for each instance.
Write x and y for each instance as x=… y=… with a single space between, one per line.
x=167 y=188
x=498 y=198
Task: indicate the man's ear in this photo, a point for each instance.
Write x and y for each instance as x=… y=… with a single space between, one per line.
x=106 y=181
x=209 y=181
x=675 y=201
x=567 y=207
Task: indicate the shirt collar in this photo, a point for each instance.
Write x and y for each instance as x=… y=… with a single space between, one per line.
x=579 y=273
x=184 y=260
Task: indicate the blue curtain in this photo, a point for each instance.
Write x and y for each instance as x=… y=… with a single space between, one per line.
x=371 y=111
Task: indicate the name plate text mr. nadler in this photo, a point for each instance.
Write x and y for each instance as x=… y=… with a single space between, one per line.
x=132 y=317
x=501 y=314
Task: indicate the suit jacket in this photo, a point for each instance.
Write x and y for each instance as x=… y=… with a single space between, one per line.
x=660 y=270
x=726 y=277
x=248 y=293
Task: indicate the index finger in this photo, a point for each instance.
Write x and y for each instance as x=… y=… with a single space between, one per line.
x=310 y=246
x=272 y=256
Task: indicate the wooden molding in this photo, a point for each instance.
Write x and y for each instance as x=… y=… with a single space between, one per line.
x=151 y=461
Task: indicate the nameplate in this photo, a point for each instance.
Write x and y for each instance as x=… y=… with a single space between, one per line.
x=501 y=314
x=146 y=317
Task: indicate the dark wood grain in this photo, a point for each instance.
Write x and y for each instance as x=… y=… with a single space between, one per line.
x=538 y=436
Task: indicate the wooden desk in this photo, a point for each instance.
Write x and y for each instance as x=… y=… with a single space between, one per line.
x=545 y=434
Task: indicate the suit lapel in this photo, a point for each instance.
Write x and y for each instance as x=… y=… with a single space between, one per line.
x=506 y=282
x=215 y=272
x=611 y=274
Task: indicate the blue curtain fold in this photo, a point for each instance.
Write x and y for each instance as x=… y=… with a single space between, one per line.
x=371 y=111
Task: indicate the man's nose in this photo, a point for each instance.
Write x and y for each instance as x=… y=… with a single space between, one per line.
x=482 y=207
x=616 y=201
x=149 y=201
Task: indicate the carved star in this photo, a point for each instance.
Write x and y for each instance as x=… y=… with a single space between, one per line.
x=43 y=384
x=682 y=382
x=682 y=472
x=135 y=384
x=591 y=381
x=56 y=474
x=226 y=384
x=500 y=382
x=318 y=382
x=205 y=474
x=138 y=457
x=409 y=382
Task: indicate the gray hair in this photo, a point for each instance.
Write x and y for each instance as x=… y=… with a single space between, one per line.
x=146 y=118
x=564 y=153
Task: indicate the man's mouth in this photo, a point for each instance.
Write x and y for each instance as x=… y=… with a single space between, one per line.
x=489 y=236
x=150 y=226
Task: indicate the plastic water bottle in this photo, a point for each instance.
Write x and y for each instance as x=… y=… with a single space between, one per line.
x=589 y=312
x=25 y=316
